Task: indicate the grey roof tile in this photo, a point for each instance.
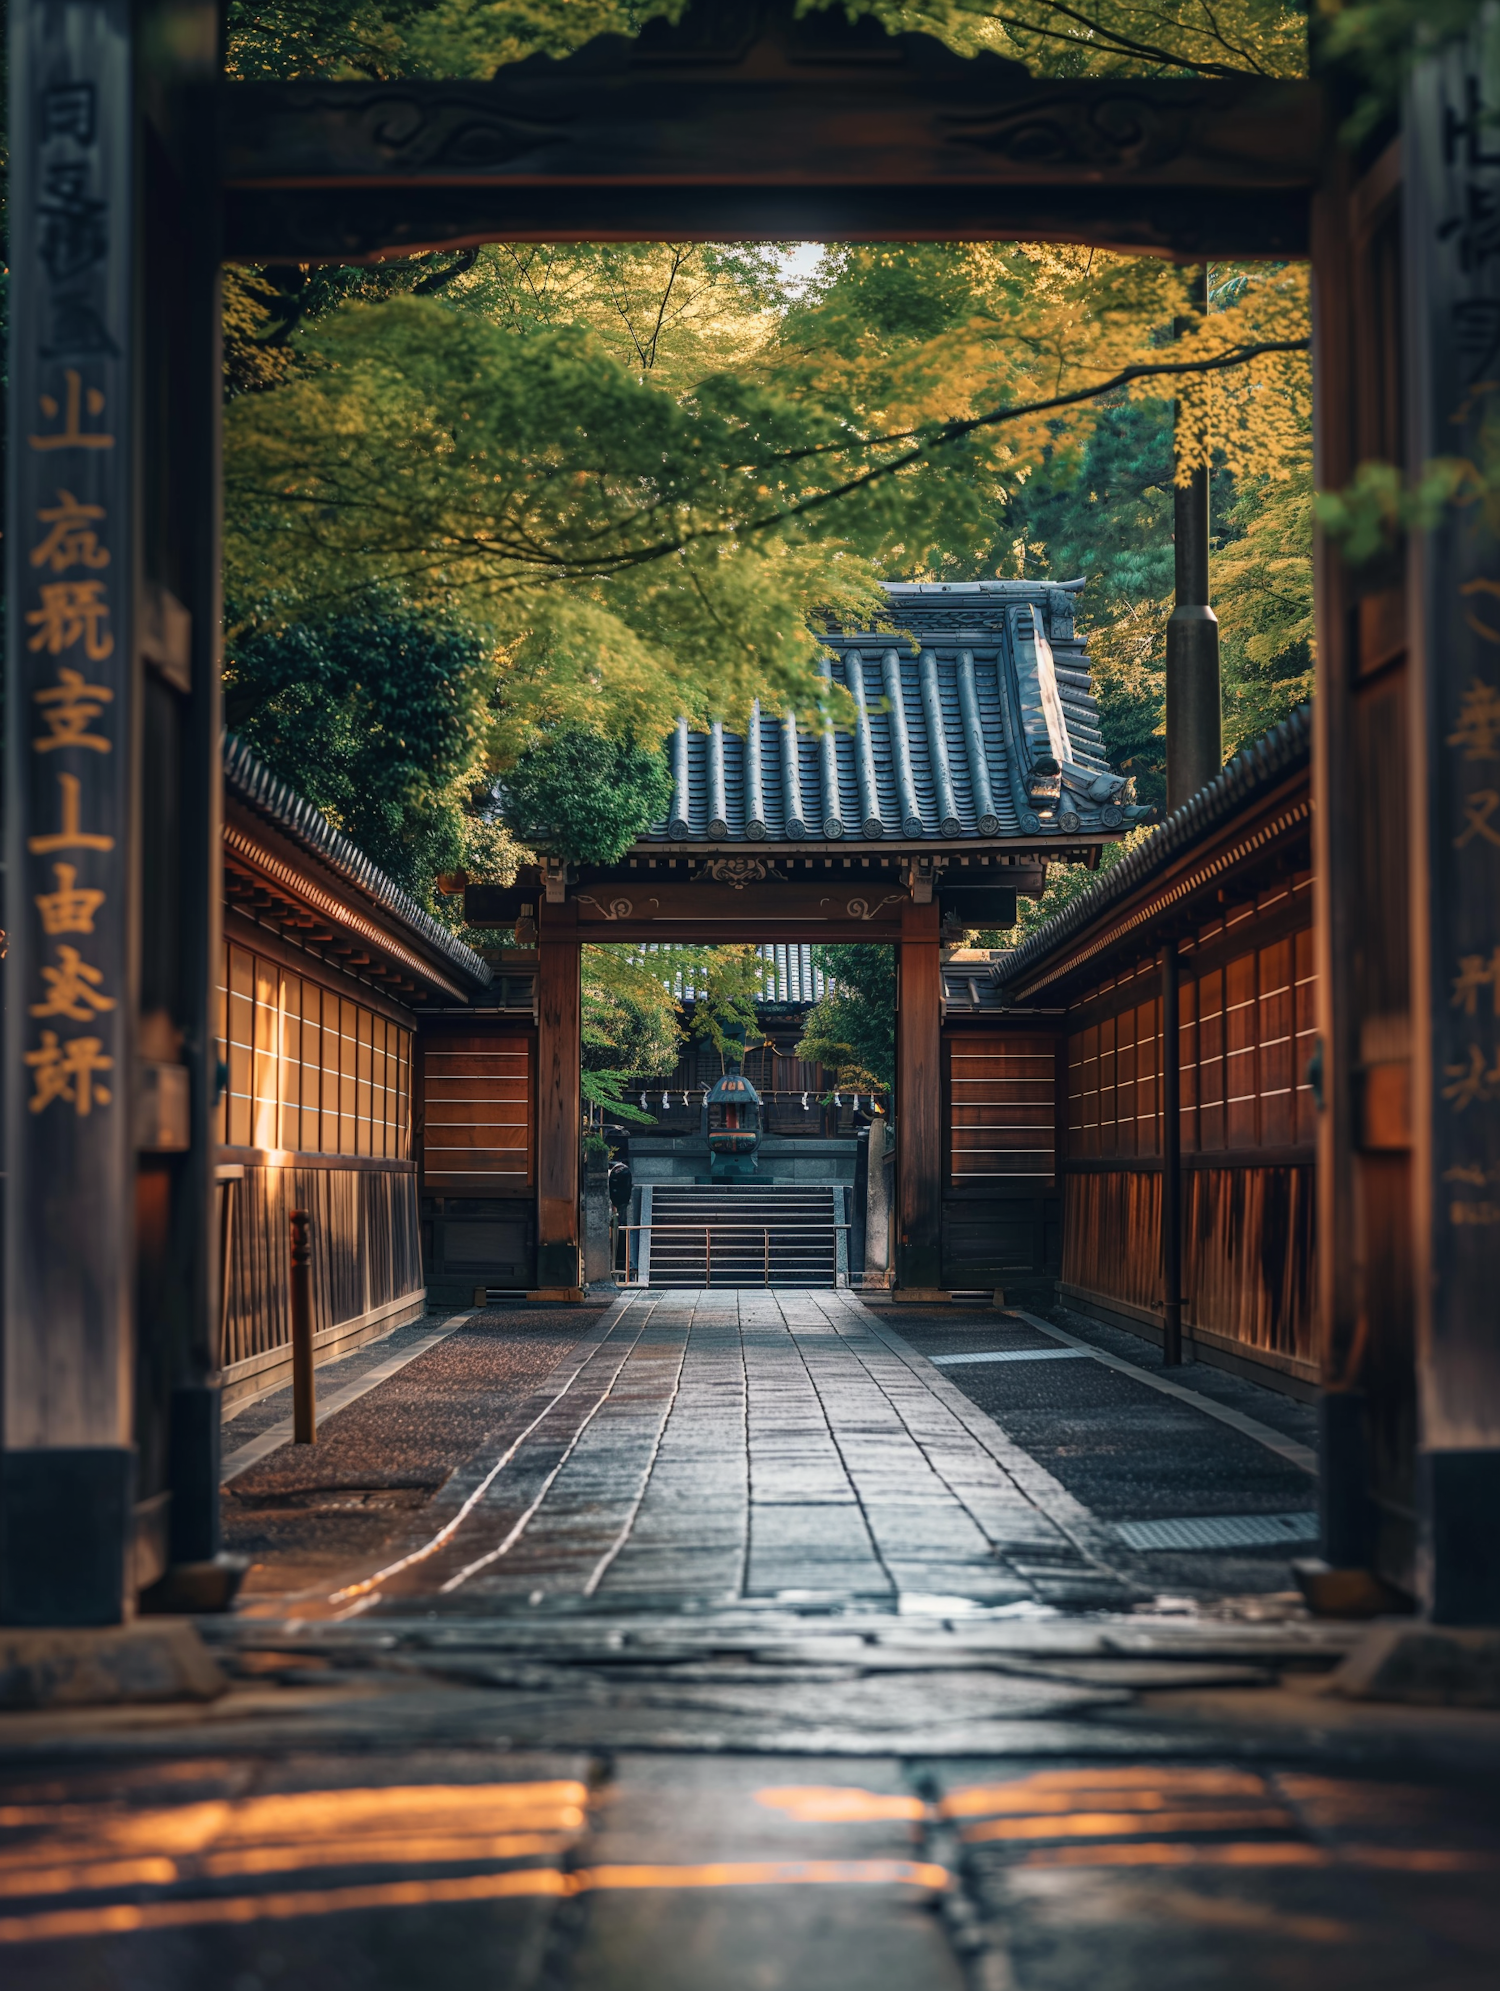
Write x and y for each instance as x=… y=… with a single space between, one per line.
x=978 y=723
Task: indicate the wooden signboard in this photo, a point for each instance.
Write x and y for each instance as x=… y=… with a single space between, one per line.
x=70 y=821
x=788 y=910
x=1453 y=290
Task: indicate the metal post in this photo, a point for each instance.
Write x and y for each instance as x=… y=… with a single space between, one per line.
x=304 y=1400
x=767 y=1236
x=1195 y=749
x=708 y=1256
x=1171 y=1163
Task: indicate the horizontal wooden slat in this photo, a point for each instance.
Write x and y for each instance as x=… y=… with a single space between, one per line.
x=478 y=1114
x=1002 y=1111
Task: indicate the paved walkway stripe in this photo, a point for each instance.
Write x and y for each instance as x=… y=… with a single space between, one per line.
x=255 y=1449
x=1302 y=1456
x=1011 y=1355
x=504 y=1547
x=1219 y=1531
x=355 y=1591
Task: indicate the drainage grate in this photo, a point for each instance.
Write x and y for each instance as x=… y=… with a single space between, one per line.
x=1219 y=1531
x=1014 y=1355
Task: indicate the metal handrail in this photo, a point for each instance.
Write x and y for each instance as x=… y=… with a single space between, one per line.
x=708 y=1232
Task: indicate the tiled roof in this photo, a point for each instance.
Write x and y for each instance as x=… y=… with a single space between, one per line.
x=987 y=730
x=1254 y=771
x=787 y=976
x=251 y=782
x=969 y=984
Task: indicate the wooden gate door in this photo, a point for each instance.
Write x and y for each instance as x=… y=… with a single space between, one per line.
x=476 y=1153
x=1002 y=1212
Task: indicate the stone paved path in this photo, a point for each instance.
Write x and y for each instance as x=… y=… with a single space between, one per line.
x=744 y=1650
x=707 y=1447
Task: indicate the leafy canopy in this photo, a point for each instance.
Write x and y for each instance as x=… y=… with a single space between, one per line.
x=727 y=984
x=851 y=1032
x=637 y=472
x=585 y=796
x=631 y=1023
x=376 y=716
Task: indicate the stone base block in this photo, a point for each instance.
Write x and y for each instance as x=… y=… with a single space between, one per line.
x=568 y=1295
x=1424 y=1666
x=211 y=1585
x=1343 y=1593
x=157 y=1660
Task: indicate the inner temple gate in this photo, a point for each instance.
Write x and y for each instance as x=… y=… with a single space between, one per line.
x=975 y=762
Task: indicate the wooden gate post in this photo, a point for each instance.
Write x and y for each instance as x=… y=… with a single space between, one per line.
x=1452 y=286
x=72 y=821
x=919 y=1101
x=112 y=801
x=558 y=1122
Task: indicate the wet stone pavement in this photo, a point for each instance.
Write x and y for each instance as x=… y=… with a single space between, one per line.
x=717 y=1639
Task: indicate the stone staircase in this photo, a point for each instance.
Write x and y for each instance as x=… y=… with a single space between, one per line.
x=743 y=1234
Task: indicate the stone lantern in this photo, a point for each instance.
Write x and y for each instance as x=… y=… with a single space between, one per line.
x=734 y=1117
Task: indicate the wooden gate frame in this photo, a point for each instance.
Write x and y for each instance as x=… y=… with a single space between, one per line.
x=742 y=122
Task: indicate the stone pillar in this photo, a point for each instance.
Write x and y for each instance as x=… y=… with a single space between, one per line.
x=558 y=1111
x=877 y=1208
x=596 y=1255
x=919 y=1101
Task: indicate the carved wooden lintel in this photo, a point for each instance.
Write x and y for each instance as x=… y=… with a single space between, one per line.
x=745 y=121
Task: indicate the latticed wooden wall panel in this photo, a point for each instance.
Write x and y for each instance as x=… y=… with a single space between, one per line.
x=1113 y=1074
x=1247 y=1033
x=310 y=1071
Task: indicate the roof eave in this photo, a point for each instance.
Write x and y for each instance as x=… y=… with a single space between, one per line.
x=1267 y=768
x=254 y=788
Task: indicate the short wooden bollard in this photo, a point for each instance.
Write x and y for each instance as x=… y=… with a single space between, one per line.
x=304 y=1403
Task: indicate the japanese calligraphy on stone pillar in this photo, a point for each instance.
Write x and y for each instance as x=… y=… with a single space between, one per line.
x=70 y=658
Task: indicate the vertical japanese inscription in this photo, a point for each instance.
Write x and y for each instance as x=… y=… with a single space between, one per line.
x=1453 y=282
x=70 y=844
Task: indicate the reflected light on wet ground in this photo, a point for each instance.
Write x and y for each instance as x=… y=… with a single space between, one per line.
x=71 y=1849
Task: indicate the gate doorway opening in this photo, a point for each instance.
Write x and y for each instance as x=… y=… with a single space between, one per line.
x=748 y=1160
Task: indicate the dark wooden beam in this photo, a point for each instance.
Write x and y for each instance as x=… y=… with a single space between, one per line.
x=558 y=1106
x=746 y=123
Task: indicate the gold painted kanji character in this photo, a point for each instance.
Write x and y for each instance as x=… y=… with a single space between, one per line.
x=71 y=836
x=67 y=1072
x=72 y=989
x=1474 y=974
x=72 y=612
x=1474 y=1213
x=72 y=542
x=1478 y=809
x=1471 y=1082
x=1478 y=729
x=77 y=401
x=70 y=707
x=71 y=908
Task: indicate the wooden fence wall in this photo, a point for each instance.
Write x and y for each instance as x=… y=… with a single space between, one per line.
x=367 y=1262
x=1248 y=1120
